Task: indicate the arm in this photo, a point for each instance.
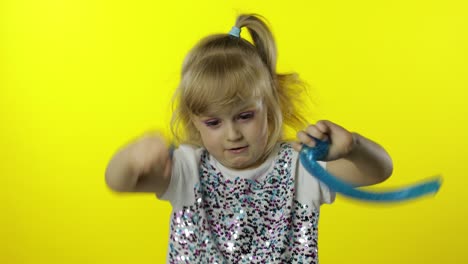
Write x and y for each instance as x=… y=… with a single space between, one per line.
x=351 y=157
x=143 y=166
x=366 y=164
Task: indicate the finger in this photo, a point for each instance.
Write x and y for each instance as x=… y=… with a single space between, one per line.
x=297 y=146
x=313 y=131
x=305 y=139
x=324 y=126
x=329 y=126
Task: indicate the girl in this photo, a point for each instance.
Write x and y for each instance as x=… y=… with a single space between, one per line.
x=238 y=191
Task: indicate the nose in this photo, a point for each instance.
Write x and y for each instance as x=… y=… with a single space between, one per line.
x=233 y=133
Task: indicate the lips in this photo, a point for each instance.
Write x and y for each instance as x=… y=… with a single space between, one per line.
x=238 y=150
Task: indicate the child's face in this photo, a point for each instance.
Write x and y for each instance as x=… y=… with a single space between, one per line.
x=244 y=127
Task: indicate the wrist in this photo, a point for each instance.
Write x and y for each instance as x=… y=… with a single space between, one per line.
x=356 y=142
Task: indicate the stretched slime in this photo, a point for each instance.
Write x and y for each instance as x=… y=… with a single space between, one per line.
x=309 y=156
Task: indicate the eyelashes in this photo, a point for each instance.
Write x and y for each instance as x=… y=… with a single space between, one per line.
x=212 y=123
x=243 y=117
x=246 y=115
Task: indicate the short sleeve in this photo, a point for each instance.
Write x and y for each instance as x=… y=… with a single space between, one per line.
x=327 y=196
x=184 y=176
x=310 y=189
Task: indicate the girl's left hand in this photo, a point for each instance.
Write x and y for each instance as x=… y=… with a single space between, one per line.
x=342 y=141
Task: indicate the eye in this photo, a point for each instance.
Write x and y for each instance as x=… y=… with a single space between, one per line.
x=212 y=123
x=246 y=115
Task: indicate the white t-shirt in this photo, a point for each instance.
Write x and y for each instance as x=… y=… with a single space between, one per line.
x=268 y=214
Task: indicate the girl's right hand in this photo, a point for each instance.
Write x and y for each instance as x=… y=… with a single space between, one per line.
x=144 y=165
x=148 y=155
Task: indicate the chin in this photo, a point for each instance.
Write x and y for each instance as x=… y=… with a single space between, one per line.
x=240 y=165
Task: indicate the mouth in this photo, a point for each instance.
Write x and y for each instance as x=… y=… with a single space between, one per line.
x=238 y=150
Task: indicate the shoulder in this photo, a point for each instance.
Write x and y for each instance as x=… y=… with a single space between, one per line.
x=187 y=151
x=184 y=175
x=287 y=145
x=186 y=158
x=309 y=189
x=286 y=148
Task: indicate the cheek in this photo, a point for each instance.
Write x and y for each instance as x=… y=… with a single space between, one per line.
x=259 y=129
x=210 y=139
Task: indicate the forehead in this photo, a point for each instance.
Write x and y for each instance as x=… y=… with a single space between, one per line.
x=234 y=109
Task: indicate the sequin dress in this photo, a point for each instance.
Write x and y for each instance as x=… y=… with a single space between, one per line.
x=233 y=219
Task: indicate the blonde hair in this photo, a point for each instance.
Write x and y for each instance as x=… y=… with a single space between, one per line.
x=223 y=70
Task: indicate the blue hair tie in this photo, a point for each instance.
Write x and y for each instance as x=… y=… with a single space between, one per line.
x=309 y=157
x=235 y=31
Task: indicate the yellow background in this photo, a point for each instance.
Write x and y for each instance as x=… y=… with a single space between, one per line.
x=81 y=78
